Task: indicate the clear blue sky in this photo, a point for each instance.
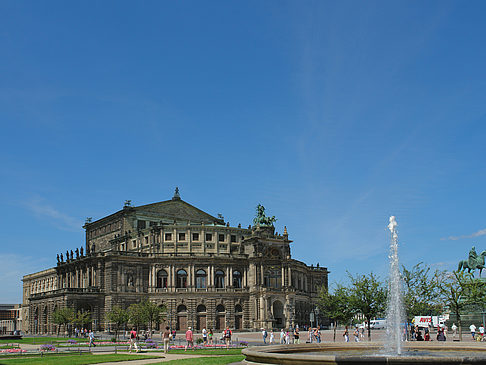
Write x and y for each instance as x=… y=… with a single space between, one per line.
x=333 y=115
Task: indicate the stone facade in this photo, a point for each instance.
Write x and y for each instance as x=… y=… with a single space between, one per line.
x=206 y=273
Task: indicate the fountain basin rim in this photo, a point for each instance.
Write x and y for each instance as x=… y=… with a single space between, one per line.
x=296 y=354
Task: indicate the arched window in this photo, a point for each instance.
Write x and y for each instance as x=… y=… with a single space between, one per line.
x=181 y=279
x=130 y=281
x=273 y=278
x=220 y=308
x=201 y=308
x=162 y=279
x=181 y=309
x=236 y=279
x=200 y=279
x=238 y=308
x=219 y=279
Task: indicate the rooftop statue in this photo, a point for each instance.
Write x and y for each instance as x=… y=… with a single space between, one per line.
x=473 y=262
x=261 y=219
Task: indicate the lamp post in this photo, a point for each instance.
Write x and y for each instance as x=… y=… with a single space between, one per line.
x=317 y=316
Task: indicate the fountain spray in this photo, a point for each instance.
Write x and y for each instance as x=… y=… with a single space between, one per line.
x=394 y=311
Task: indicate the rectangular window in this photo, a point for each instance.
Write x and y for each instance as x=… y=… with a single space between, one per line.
x=141 y=224
x=221 y=237
x=146 y=240
x=209 y=236
x=182 y=236
x=195 y=236
x=233 y=238
x=168 y=236
x=134 y=243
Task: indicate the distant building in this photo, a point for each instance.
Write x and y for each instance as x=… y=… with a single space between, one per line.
x=10 y=318
x=205 y=272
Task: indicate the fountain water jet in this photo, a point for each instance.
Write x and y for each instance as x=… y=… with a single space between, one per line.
x=394 y=312
x=372 y=353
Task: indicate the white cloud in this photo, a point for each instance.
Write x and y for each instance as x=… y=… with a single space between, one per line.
x=481 y=232
x=61 y=220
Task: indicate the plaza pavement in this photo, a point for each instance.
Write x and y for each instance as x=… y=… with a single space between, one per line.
x=253 y=339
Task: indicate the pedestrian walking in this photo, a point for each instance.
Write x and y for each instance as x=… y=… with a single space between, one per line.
x=282 y=336
x=166 y=335
x=210 y=337
x=205 y=336
x=346 y=334
x=227 y=337
x=472 y=328
x=454 y=330
x=296 y=335
x=91 y=339
x=272 y=337
x=264 y=335
x=356 y=335
x=133 y=340
x=189 y=339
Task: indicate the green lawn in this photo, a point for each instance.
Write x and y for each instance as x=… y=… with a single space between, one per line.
x=208 y=360
x=53 y=359
x=208 y=352
x=42 y=340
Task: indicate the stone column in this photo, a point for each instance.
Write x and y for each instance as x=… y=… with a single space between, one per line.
x=208 y=284
x=283 y=276
x=262 y=275
x=230 y=276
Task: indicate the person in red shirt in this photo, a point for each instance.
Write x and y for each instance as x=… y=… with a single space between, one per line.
x=227 y=337
x=133 y=340
x=189 y=339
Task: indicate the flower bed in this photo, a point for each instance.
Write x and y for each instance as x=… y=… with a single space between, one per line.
x=86 y=344
x=47 y=348
x=12 y=351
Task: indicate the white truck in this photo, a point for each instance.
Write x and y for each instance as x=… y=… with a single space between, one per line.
x=426 y=321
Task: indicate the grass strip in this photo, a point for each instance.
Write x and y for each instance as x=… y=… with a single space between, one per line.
x=54 y=359
x=221 y=360
x=43 y=340
x=207 y=352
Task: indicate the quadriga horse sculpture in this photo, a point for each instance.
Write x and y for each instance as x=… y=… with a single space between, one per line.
x=473 y=263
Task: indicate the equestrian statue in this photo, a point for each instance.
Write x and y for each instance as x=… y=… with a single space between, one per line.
x=473 y=262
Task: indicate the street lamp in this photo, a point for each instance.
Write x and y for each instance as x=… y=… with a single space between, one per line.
x=317 y=316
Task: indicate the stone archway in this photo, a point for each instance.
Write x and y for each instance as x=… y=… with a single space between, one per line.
x=278 y=314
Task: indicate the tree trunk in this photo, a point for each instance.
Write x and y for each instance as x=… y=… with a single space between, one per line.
x=368 y=320
x=459 y=322
x=335 y=327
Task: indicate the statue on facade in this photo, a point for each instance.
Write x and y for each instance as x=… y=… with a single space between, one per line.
x=72 y=255
x=261 y=218
x=58 y=261
x=67 y=256
x=473 y=262
x=62 y=258
x=77 y=253
x=81 y=251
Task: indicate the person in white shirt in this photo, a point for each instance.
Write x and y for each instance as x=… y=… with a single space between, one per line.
x=454 y=330
x=473 y=330
x=282 y=336
x=481 y=332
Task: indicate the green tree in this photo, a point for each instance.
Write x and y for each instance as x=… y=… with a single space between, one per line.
x=153 y=313
x=145 y=313
x=62 y=316
x=421 y=291
x=367 y=296
x=136 y=315
x=336 y=306
x=119 y=317
x=459 y=290
x=81 y=318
